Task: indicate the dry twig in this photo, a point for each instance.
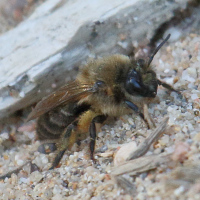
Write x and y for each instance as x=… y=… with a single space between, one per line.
x=144 y=147
x=15 y=171
x=140 y=165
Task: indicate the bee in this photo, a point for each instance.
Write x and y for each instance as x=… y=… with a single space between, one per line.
x=108 y=86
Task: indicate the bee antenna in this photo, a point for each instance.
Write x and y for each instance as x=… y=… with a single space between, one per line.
x=157 y=49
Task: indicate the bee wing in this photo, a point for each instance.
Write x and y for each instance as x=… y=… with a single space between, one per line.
x=71 y=92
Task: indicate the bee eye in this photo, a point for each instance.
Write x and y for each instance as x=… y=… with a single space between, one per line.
x=135 y=83
x=100 y=83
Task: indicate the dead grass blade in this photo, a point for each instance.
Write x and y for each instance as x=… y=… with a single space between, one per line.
x=144 y=147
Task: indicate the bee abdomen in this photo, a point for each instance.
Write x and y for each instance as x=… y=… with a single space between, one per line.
x=52 y=124
x=52 y=129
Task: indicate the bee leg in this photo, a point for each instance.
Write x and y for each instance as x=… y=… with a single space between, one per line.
x=136 y=109
x=148 y=118
x=57 y=159
x=169 y=87
x=92 y=130
x=67 y=138
x=78 y=142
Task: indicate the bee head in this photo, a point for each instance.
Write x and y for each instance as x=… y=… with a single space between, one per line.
x=143 y=85
x=141 y=80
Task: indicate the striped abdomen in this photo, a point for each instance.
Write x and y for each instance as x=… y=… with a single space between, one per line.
x=52 y=124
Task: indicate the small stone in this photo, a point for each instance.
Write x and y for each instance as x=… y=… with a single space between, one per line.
x=192 y=71
x=124 y=152
x=48 y=193
x=180 y=152
x=197 y=137
x=194 y=96
x=14 y=179
x=101 y=176
x=4 y=136
x=20 y=162
x=36 y=176
x=196 y=112
x=176 y=79
x=177 y=128
x=107 y=154
x=56 y=190
x=24 y=180
x=164 y=140
x=57 y=197
x=179 y=191
x=91 y=170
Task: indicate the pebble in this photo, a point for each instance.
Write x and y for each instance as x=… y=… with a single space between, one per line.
x=124 y=152
x=194 y=96
x=4 y=136
x=56 y=190
x=196 y=137
x=35 y=176
x=164 y=140
x=180 y=152
x=20 y=162
x=179 y=191
x=24 y=180
x=57 y=197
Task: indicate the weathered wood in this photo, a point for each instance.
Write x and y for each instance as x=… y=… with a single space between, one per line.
x=141 y=164
x=44 y=51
